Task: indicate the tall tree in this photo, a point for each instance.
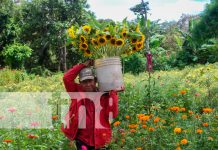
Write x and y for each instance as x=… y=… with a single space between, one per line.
x=44 y=24
x=207 y=26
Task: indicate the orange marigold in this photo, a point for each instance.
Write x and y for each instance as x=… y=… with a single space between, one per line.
x=177 y=130
x=132 y=130
x=205 y=124
x=7 y=141
x=151 y=129
x=199 y=131
x=133 y=126
x=117 y=123
x=182 y=109
x=174 y=108
x=139 y=148
x=178 y=148
x=184 y=141
x=144 y=118
x=190 y=112
x=127 y=116
x=54 y=117
x=183 y=92
x=157 y=119
x=144 y=126
x=207 y=110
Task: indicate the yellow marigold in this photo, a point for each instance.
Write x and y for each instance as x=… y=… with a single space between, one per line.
x=139 y=148
x=182 y=109
x=87 y=29
x=184 y=116
x=157 y=119
x=163 y=121
x=183 y=92
x=174 y=95
x=127 y=116
x=199 y=131
x=210 y=138
x=184 y=141
x=205 y=124
x=177 y=130
x=207 y=110
x=117 y=123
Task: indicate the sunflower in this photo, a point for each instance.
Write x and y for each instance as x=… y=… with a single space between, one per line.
x=134 y=49
x=133 y=40
x=102 y=40
x=83 y=46
x=142 y=38
x=124 y=33
x=139 y=45
x=94 y=42
x=71 y=32
x=113 y=41
x=87 y=53
x=82 y=38
x=87 y=29
x=108 y=37
x=137 y=28
x=119 y=42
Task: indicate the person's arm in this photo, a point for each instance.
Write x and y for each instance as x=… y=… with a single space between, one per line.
x=70 y=76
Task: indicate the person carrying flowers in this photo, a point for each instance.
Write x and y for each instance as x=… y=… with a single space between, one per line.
x=89 y=137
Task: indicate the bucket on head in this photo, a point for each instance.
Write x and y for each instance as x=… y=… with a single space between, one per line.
x=109 y=74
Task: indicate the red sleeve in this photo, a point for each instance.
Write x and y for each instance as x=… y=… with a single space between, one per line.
x=70 y=76
x=114 y=96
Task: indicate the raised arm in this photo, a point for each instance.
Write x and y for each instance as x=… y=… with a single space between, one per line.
x=70 y=76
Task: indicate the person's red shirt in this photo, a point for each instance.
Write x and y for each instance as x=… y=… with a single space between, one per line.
x=90 y=135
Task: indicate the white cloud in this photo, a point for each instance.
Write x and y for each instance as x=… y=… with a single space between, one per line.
x=160 y=9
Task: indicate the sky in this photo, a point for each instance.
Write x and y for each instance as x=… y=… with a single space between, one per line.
x=166 y=10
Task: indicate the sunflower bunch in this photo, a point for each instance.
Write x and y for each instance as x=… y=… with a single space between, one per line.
x=106 y=39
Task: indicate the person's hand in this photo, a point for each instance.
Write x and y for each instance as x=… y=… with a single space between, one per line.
x=88 y=63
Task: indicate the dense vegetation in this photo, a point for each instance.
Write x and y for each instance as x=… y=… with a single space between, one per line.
x=42 y=25
x=173 y=107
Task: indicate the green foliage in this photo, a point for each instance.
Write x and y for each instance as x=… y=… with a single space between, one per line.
x=135 y=63
x=39 y=70
x=200 y=86
x=206 y=27
x=15 y=54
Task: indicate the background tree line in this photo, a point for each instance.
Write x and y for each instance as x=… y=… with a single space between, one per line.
x=33 y=36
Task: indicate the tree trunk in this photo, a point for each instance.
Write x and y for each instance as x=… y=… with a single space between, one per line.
x=65 y=57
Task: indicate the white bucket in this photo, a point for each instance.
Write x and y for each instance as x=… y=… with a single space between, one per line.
x=109 y=74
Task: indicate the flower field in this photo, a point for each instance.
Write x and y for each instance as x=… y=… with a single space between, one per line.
x=173 y=110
